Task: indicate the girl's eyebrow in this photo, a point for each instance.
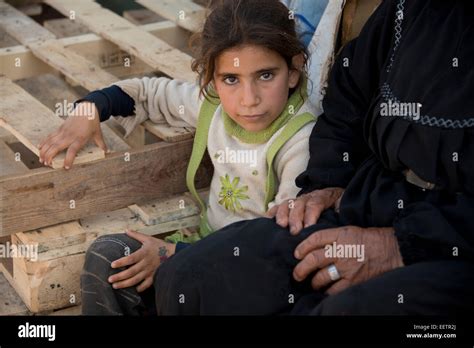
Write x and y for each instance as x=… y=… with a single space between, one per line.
x=270 y=69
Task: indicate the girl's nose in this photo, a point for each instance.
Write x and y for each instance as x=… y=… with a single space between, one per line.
x=250 y=95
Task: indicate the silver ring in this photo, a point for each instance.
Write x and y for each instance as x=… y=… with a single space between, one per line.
x=333 y=272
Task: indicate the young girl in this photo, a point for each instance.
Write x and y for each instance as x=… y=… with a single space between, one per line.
x=249 y=111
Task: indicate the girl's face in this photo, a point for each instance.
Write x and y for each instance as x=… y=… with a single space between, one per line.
x=252 y=83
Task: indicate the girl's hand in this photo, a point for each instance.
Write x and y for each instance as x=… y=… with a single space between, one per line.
x=142 y=263
x=305 y=210
x=81 y=125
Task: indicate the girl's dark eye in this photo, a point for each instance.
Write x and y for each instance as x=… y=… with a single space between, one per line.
x=266 y=76
x=230 y=80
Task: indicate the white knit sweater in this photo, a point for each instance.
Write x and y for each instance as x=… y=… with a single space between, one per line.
x=237 y=189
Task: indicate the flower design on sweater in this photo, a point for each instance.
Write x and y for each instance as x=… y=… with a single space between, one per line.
x=231 y=195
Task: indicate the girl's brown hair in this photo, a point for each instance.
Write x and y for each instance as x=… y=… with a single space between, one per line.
x=232 y=23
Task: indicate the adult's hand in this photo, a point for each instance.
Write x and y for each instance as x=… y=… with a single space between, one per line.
x=305 y=210
x=380 y=254
x=142 y=264
x=82 y=125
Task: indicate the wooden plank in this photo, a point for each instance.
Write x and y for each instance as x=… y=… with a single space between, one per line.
x=44 y=45
x=11 y=303
x=184 y=13
x=135 y=139
x=48 y=285
x=54 y=237
x=6 y=40
x=93 y=48
x=42 y=198
x=9 y=164
x=155 y=52
x=168 y=133
x=164 y=210
x=141 y=16
x=49 y=89
x=63 y=27
x=30 y=121
x=22 y=27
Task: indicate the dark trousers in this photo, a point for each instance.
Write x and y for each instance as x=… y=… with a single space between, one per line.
x=98 y=296
x=246 y=268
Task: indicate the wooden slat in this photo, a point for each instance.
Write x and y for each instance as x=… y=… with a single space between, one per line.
x=22 y=27
x=8 y=163
x=93 y=48
x=129 y=37
x=141 y=16
x=45 y=46
x=42 y=198
x=168 y=133
x=63 y=27
x=54 y=237
x=30 y=121
x=184 y=13
x=48 y=285
x=164 y=210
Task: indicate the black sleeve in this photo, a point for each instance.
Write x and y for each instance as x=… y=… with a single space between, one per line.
x=180 y=246
x=337 y=145
x=111 y=101
x=430 y=230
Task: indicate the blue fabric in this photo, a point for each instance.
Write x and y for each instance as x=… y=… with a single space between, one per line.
x=307 y=13
x=110 y=101
x=180 y=246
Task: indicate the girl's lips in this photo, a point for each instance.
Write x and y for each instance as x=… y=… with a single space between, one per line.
x=253 y=116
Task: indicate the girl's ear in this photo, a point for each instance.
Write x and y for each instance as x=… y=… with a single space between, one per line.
x=296 y=69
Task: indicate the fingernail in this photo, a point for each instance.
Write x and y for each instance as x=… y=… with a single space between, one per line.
x=114 y=286
x=110 y=280
x=297 y=254
x=41 y=160
x=67 y=167
x=112 y=265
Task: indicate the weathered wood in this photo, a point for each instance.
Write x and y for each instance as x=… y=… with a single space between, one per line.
x=164 y=210
x=9 y=164
x=141 y=16
x=49 y=89
x=168 y=133
x=129 y=37
x=50 y=284
x=63 y=27
x=10 y=303
x=95 y=49
x=54 y=237
x=42 y=198
x=135 y=139
x=44 y=45
x=184 y=13
x=30 y=121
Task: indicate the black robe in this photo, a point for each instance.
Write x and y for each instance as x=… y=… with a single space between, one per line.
x=413 y=51
x=405 y=53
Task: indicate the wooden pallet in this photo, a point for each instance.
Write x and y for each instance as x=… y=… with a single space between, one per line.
x=57 y=62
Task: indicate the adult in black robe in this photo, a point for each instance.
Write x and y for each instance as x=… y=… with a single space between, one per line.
x=396 y=138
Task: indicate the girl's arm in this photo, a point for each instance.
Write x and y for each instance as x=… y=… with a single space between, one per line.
x=162 y=100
